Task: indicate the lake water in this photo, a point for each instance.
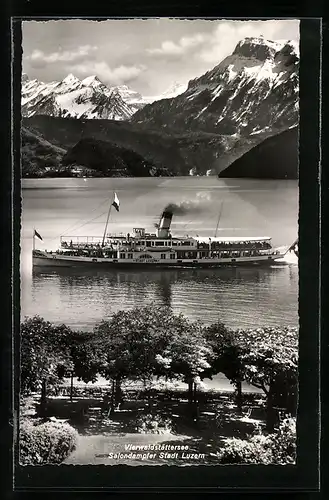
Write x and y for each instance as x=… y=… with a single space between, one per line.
x=240 y=297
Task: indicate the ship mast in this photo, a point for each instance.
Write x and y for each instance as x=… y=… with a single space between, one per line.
x=219 y=216
x=107 y=221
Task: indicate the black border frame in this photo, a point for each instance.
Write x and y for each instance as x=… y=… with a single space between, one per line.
x=304 y=476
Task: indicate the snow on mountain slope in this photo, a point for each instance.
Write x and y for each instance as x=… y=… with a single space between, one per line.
x=89 y=98
x=253 y=88
x=173 y=91
x=138 y=101
x=176 y=89
x=134 y=99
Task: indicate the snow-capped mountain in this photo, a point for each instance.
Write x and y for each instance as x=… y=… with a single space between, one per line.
x=138 y=101
x=130 y=96
x=88 y=98
x=174 y=90
x=253 y=89
x=250 y=96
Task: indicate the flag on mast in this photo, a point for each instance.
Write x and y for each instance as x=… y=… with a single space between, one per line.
x=116 y=202
x=37 y=235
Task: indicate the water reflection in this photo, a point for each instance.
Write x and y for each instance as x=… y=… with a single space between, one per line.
x=241 y=296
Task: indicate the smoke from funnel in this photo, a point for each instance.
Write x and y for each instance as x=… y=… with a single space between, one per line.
x=184 y=208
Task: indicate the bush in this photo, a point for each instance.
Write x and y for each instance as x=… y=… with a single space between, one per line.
x=283 y=443
x=27 y=407
x=48 y=443
x=153 y=424
x=242 y=451
x=278 y=448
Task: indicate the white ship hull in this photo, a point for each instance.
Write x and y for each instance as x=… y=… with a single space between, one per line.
x=54 y=260
x=160 y=249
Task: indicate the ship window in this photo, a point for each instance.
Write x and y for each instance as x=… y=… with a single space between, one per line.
x=163 y=256
x=159 y=243
x=145 y=256
x=123 y=255
x=142 y=243
x=130 y=256
x=172 y=255
x=174 y=243
x=149 y=243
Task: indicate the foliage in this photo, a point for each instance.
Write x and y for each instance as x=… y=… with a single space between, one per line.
x=153 y=424
x=278 y=448
x=283 y=443
x=266 y=358
x=45 y=355
x=272 y=353
x=173 y=152
x=38 y=155
x=85 y=355
x=242 y=451
x=110 y=159
x=145 y=342
x=27 y=407
x=227 y=351
x=271 y=364
x=132 y=339
x=187 y=355
x=48 y=443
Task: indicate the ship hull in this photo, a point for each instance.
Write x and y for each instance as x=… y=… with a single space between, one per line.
x=55 y=261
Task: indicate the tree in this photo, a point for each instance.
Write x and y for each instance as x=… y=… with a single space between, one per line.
x=45 y=357
x=228 y=350
x=85 y=356
x=187 y=356
x=271 y=364
x=131 y=341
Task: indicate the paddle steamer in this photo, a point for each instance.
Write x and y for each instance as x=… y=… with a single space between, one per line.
x=160 y=249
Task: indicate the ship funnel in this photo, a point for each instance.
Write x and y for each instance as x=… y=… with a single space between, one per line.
x=164 y=226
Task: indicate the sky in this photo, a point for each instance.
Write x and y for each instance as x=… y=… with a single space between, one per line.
x=148 y=55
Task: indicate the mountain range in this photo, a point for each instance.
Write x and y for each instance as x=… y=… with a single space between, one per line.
x=197 y=129
x=87 y=98
x=253 y=90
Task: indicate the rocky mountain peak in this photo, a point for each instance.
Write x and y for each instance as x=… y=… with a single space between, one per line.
x=70 y=79
x=175 y=89
x=252 y=90
x=288 y=55
x=71 y=97
x=258 y=48
x=92 y=81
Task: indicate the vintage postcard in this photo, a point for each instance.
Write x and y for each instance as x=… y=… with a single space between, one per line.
x=159 y=242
